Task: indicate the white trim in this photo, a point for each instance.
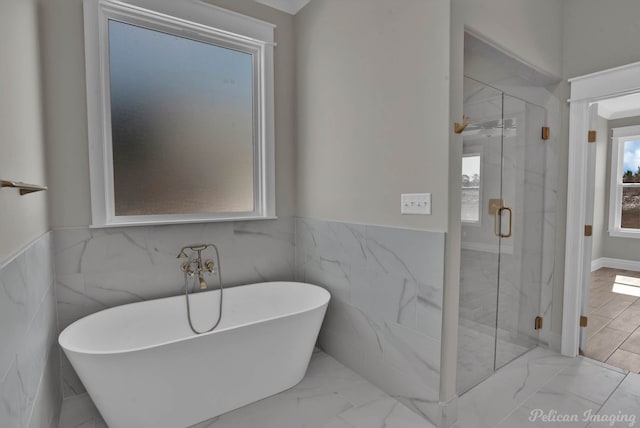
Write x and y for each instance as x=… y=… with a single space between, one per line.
x=575 y=242
x=597 y=264
x=634 y=66
x=607 y=262
x=182 y=221
x=289 y=6
x=211 y=16
x=584 y=90
x=604 y=84
x=198 y=21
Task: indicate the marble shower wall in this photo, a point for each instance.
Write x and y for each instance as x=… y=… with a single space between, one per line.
x=30 y=393
x=101 y=268
x=384 y=319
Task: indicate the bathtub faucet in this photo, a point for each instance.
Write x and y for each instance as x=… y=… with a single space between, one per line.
x=194 y=265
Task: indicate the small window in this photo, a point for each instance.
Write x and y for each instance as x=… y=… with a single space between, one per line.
x=471 y=182
x=624 y=209
x=182 y=113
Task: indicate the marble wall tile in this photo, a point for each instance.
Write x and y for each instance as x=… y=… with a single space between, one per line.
x=13 y=314
x=384 y=319
x=30 y=392
x=101 y=268
x=13 y=412
x=47 y=405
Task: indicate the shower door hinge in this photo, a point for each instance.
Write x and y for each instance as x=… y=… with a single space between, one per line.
x=538 y=325
x=588 y=230
x=592 y=136
x=583 y=321
x=546 y=132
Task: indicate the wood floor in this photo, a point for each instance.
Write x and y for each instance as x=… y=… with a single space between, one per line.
x=614 y=318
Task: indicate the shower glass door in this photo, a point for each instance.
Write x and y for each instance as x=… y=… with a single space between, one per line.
x=502 y=206
x=520 y=267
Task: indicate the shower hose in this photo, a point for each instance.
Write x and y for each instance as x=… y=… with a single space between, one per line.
x=186 y=293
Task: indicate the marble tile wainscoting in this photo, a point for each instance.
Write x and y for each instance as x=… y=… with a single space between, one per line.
x=30 y=393
x=101 y=268
x=384 y=319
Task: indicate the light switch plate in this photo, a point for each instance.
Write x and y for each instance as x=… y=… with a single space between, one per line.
x=415 y=203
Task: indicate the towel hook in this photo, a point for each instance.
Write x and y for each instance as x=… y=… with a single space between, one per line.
x=459 y=127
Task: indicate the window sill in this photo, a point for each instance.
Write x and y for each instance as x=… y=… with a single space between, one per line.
x=620 y=233
x=185 y=221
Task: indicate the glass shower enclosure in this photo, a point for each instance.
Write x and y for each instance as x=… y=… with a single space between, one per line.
x=503 y=185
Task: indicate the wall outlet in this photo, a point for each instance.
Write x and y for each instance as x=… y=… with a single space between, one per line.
x=415 y=203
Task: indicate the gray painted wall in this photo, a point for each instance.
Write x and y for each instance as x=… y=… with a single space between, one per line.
x=30 y=392
x=372 y=102
x=66 y=116
x=22 y=147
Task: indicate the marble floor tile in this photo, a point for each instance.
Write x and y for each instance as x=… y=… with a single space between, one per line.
x=490 y=402
x=604 y=343
x=581 y=387
x=568 y=392
x=587 y=379
x=79 y=411
x=546 y=402
x=626 y=360
x=632 y=344
x=622 y=409
x=329 y=396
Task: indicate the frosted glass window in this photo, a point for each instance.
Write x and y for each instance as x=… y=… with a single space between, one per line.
x=182 y=124
x=471 y=189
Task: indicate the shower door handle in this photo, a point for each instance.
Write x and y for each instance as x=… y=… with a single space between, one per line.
x=508 y=235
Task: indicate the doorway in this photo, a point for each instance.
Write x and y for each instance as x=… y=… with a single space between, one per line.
x=611 y=305
x=503 y=200
x=605 y=299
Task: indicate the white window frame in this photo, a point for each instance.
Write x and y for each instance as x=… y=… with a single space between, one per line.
x=620 y=136
x=477 y=151
x=195 y=20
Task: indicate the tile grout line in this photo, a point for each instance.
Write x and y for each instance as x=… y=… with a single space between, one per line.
x=625 y=340
x=611 y=394
x=608 y=281
x=529 y=396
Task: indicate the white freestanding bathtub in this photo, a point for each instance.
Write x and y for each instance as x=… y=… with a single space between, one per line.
x=144 y=367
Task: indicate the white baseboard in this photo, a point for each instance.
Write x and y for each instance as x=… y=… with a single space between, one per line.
x=615 y=264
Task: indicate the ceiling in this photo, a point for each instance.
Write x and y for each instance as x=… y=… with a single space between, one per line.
x=620 y=107
x=289 y=6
